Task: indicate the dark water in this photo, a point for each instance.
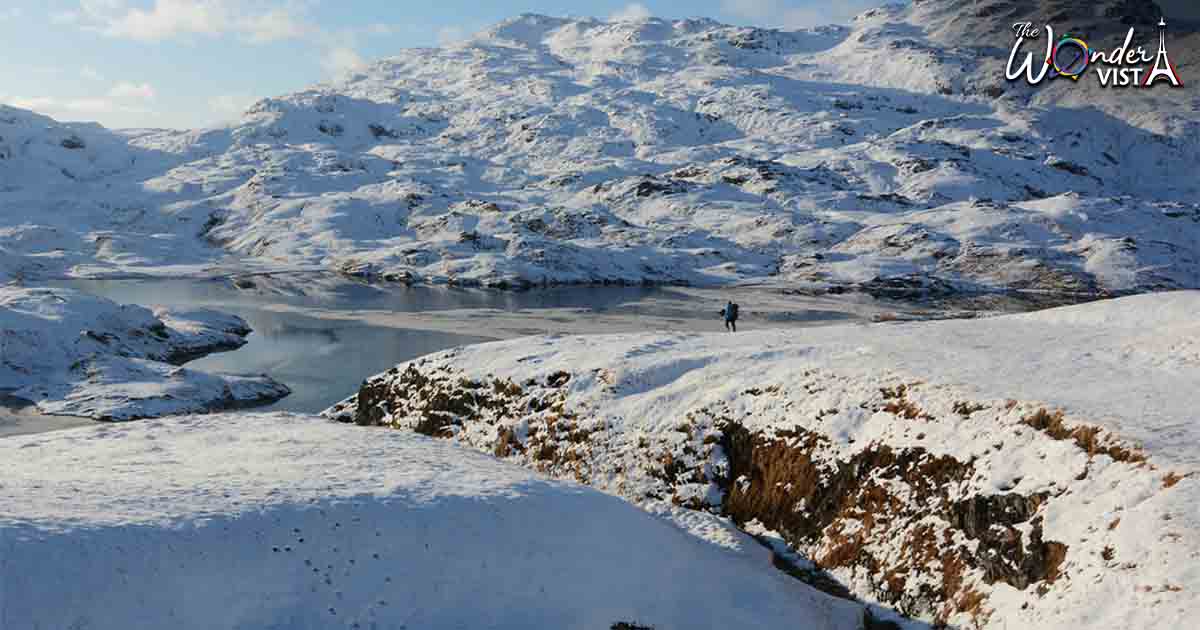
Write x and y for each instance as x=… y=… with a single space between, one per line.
x=324 y=360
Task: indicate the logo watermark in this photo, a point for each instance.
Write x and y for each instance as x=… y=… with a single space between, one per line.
x=1070 y=56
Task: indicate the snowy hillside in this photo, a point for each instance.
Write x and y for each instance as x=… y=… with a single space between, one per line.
x=1032 y=471
x=72 y=195
x=271 y=521
x=79 y=355
x=548 y=150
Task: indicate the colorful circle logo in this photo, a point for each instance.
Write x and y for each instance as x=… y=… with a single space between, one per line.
x=1071 y=57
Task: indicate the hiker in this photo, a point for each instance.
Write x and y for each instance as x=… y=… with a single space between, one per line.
x=731 y=314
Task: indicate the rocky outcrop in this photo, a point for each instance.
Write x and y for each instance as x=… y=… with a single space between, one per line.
x=896 y=524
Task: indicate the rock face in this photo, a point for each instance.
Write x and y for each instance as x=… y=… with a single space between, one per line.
x=80 y=355
x=887 y=154
x=880 y=473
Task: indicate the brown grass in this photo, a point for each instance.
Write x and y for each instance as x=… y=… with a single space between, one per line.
x=906 y=409
x=1056 y=554
x=1172 y=478
x=898 y=403
x=506 y=443
x=545 y=453
x=1090 y=439
x=971 y=602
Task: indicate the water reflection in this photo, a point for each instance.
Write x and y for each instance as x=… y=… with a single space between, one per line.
x=323 y=361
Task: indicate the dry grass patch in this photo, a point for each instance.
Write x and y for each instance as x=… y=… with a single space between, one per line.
x=898 y=404
x=1090 y=439
x=1173 y=478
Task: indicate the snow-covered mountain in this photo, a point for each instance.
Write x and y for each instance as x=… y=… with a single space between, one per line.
x=548 y=150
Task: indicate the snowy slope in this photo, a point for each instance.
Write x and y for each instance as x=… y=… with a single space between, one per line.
x=79 y=355
x=72 y=194
x=1031 y=471
x=548 y=150
x=273 y=521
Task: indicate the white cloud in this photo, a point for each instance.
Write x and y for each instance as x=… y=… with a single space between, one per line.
x=342 y=59
x=168 y=18
x=132 y=91
x=79 y=108
x=91 y=74
x=251 y=21
x=124 y=97
x=255 y=22
x=795 y=15
x=632 y=12
x=274 y=25
x=10 y=14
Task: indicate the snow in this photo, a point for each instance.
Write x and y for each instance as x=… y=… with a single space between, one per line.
x=75 y=354
x=1126 y=366
x=555 y=150
x=271 y=521
x=1122 y=364
x=888 y=154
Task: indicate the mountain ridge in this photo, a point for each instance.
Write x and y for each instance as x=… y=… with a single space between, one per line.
x=555 y=150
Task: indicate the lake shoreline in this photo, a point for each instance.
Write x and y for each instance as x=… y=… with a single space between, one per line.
x=21 y=417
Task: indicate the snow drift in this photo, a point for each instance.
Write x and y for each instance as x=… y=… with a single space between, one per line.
x=275 y=521
x=1033 y=470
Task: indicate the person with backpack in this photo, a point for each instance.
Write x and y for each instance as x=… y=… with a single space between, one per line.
x=731 y=316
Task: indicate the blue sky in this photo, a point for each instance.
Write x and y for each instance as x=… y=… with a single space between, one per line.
x=189 y=63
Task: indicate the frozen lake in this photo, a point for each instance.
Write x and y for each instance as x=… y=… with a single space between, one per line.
x=322 y=334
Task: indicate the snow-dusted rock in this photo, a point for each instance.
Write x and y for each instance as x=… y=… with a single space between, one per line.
x=1034 y=470
x=270 y=521
x=81 y=355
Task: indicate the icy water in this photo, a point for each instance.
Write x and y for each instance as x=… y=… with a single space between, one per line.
x=323 y=335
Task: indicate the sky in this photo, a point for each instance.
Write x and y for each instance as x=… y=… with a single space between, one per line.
x=193 y=63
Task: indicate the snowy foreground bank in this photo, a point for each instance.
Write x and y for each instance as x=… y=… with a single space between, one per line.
x=1032 y=471
x=79 y=355
x=278 y=521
